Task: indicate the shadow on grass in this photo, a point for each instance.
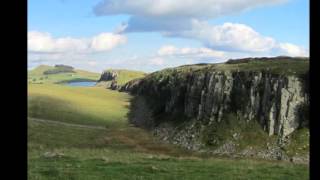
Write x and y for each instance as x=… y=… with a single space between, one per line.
x=44 y=107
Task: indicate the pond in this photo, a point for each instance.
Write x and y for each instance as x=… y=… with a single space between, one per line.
x=84 y=83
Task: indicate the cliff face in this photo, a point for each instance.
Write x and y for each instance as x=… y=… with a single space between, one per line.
x=200 y=97
x=108 y=76
x=273 y=100
x=108 y=80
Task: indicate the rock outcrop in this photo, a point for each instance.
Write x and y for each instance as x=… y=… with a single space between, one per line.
x=195 y=98
x=108 y=79
x=273 y=100
x=108 y=76
x=115 y=78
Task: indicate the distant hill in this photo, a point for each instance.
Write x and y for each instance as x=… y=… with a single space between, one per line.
x=59 y=74
x=59 y=69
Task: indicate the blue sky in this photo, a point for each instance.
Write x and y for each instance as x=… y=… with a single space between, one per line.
x=86 y=33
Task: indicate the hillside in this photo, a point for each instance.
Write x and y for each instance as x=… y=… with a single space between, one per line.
x=247 y=107
x=49 y=74
x=87 y=133
x=83 y=133
x=115 y=78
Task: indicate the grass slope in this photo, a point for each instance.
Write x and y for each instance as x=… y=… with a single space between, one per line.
x=84 y=105
x=277 y=65
x=56 y=151
x=125 y=76
x=37 y=76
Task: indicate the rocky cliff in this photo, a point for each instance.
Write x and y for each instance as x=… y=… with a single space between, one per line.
x=115 y=78
x=108 y=80
x=185 y=101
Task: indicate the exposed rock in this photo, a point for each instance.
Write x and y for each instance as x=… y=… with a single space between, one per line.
x=115 y=79
x=108 y=76
x=271 y=99
x=183 y=103
x=108 y=80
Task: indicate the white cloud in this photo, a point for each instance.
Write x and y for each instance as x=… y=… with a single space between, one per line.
x=92 y=63
x=41 y=42
x=107 y=41
x=234 y=37
x=178 y=8
x=187 y=19
x=171 y=15
x=292 y=50
x=228 y=37
x=157 y=61
x=169 y=50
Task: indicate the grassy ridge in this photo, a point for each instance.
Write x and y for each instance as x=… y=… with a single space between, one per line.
x=125 y=76
x=285 y=66
x=37 y=75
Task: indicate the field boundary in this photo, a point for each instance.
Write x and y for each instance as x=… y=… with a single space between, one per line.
x=66 y=124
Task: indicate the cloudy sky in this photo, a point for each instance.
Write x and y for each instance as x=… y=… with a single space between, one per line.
x=149 y=35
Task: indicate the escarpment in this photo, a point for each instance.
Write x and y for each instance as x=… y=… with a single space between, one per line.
x=116 y=78
x=185 y=101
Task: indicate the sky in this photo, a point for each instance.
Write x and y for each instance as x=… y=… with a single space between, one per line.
x=150 y=35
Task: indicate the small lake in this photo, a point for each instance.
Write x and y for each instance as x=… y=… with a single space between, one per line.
x=83 y=84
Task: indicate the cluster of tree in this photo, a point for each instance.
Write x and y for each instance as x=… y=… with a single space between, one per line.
x=60 y=69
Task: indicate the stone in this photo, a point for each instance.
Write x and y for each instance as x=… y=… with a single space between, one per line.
x=204 y=98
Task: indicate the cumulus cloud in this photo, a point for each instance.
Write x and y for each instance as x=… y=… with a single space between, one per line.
x=168 y=15
x=188 y=19
x=42 y=42
x=228 y=36
x=235 y=37
x=106 y=41
x=178 y=8
x=155 y=24
x=43 y=48
x=292 y=50
x=169 y=50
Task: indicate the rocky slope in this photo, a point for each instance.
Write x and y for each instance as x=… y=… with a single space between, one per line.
x=115 y=78
x=189 y=105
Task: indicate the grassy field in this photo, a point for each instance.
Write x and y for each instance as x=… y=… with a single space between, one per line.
x=84 y=105
x=58 y=152
x=119 y=151
x=37 y=76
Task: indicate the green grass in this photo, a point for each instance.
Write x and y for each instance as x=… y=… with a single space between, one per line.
x=299 y=143
x=119 y=151
x=125 y=76
x=249 y=134
x=293 y=66
x=85 y=105
x=275 y=66
x=99 y=154
x=37 y=76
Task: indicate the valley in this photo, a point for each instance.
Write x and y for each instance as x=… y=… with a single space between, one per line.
x=79 y=132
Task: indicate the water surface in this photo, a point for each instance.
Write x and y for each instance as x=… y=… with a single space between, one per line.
x=84 y=83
